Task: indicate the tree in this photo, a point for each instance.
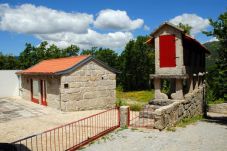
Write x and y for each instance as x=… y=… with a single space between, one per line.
x=137 y=62
x=108 y=56
x=8 y=62
x=89 y=51
x=220 y=32
x=187 y=28
x=32 y=55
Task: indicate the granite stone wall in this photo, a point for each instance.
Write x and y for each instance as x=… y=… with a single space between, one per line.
x=169 y=115
x=89 y=87
x=52 y=89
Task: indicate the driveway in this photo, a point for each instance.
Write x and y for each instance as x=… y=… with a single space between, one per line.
x=20 y=118
x=208 y=135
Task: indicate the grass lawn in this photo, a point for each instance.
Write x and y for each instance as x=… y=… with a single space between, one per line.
x=135 y=99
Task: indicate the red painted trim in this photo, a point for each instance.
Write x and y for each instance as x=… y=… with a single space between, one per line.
x=167 y=51
x=43 y=92
x=32 y=98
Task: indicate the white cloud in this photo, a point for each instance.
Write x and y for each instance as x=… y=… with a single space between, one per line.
x=64 y=28
x=117 y=20
x=92 y=38
x=31 y=19
x=196 y=22
x=212 y=39
x=145 y=27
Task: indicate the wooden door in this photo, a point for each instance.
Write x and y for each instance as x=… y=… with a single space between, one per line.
x=167 y=51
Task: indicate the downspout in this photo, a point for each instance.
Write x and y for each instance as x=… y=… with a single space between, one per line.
x=60 y=94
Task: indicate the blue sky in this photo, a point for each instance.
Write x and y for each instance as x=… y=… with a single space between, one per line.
x=102 y=23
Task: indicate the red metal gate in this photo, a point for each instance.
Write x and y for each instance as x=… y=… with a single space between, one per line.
x=72 y=135
x=141 y=119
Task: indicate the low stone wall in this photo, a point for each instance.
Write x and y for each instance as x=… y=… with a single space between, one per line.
x=169 y=115
x=218 y=108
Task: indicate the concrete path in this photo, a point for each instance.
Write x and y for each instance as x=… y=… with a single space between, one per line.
x=207 y=135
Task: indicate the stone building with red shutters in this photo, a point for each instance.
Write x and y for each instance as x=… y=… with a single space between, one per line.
x=180 y=59
x=70 y=84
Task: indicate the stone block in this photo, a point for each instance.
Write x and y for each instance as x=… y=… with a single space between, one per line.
x=89 y=95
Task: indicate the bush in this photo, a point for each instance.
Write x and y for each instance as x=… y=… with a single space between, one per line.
x=120 y=102
x=135 y=107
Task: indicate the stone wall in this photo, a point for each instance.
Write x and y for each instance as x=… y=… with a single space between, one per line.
x=89 y=87
x=52 y=89
x=218 y=108
x=169 y=115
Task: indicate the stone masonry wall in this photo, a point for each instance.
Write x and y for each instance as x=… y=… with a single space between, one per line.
x=169 y=115
x=89 y=87
x=52 y=89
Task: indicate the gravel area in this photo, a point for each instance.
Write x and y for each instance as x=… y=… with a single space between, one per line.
x=207 y=135
x=20 y=118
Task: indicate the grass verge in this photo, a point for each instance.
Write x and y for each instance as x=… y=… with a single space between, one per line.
x=185 y=122
x=135 y=99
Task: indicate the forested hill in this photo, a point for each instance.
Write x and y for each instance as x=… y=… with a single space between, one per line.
x=213 y=47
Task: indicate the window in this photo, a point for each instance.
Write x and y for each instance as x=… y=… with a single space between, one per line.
x=66 y=85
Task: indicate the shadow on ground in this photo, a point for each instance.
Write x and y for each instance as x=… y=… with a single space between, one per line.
x=222 y=120
x=13 y=147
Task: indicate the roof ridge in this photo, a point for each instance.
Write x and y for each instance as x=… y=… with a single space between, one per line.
x=64 y=58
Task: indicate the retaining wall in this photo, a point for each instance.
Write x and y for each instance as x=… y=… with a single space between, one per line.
x=169 y=115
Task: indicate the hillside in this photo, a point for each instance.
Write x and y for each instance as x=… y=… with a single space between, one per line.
x=212 y=47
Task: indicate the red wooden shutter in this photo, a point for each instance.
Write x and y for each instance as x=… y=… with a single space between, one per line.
x=167 y=51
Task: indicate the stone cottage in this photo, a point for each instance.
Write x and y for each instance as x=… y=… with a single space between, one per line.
x=69 y=84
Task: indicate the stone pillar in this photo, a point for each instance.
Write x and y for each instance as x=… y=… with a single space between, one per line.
x=179 y=91
x=200 y=78
x=190 y=84
x=124 y=116
x=157 y=90
x=195 y=81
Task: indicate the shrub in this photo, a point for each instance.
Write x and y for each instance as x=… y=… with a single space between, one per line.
x=120 y=102
x=135 y=107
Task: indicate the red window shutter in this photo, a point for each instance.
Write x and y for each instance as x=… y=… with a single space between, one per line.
x=167 y=51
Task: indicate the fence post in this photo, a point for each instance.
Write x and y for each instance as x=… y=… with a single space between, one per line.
x=124 y=116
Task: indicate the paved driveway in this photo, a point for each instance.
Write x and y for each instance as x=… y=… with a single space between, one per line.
x=20 y=118
x=11 y=109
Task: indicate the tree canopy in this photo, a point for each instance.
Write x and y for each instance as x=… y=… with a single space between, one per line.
x=218 y=74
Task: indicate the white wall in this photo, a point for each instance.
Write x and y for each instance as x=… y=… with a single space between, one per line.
x=9 y=83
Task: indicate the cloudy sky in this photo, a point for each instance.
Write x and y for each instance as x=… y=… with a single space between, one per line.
x=101 y=23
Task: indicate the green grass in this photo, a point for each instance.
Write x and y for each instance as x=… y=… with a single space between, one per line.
x=138 y=96
x=185 y=122
x=135 y=99
x=219 y=101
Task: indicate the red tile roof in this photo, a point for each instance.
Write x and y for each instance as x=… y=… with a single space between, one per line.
x=52 y=66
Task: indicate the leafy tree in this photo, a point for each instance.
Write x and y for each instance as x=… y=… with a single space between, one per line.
x=32 y=55
x=187 y=28
x=137 y=62
x=72 y=50
x=108 y=56
x=219 y=80
x=8 y=62
x=89 y=51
